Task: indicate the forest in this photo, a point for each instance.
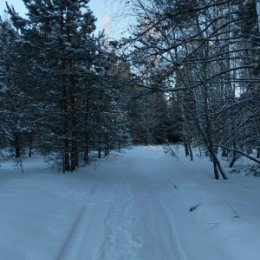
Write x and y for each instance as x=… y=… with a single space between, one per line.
x=188 y=72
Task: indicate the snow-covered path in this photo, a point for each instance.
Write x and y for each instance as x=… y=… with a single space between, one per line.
x=132 y=206
x=123 y=217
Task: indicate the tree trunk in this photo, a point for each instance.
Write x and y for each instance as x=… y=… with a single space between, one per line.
x=186 y=149
x=66 y=158
x=234 y=144
x=86 y=146
x=17 y=145
x=107 y=145
x=99 y=147
x=190 y=151
x=86 y=133
x=74 y=134
x=30 y=143
x=216 y=164
x=224 y=152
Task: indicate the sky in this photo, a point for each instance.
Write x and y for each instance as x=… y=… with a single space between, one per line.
x=108 y=13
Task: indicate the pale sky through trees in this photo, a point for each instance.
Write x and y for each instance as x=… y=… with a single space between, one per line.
x=104 y=10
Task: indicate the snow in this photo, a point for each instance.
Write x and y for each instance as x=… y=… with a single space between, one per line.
x=138 y=204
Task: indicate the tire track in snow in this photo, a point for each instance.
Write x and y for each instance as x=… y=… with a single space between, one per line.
x=124 y=219
x=172 y=226
x=103 y=227
x=119 y=242
x=87 y=231
x=157 y=224
x=176 y=241
x=69 y=251
x=76 y=246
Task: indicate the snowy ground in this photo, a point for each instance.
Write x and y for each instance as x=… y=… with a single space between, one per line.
x=142 y=204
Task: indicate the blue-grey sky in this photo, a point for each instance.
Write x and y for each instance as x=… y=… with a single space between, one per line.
x=107 y=13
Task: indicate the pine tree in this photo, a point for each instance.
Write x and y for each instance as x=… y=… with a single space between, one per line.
x=64 y=53
x=15 y=117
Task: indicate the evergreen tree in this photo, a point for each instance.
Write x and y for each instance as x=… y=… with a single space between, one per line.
x=64 y=51
x=15 y=102
x=72 y=89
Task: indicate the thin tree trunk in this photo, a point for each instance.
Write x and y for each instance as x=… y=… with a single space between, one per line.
x=17 y=144
x=66 y=155
x=224 y=152
x=74 y=142
x=99 y=147
x=30 y=143
x=107 y=146
x=66 y=158
x=86 y=133
x=190 y=151
x=86 y=152
x=186 y=149
x=234 y=144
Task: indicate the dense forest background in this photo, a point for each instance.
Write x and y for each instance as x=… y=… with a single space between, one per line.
x=189 y=72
